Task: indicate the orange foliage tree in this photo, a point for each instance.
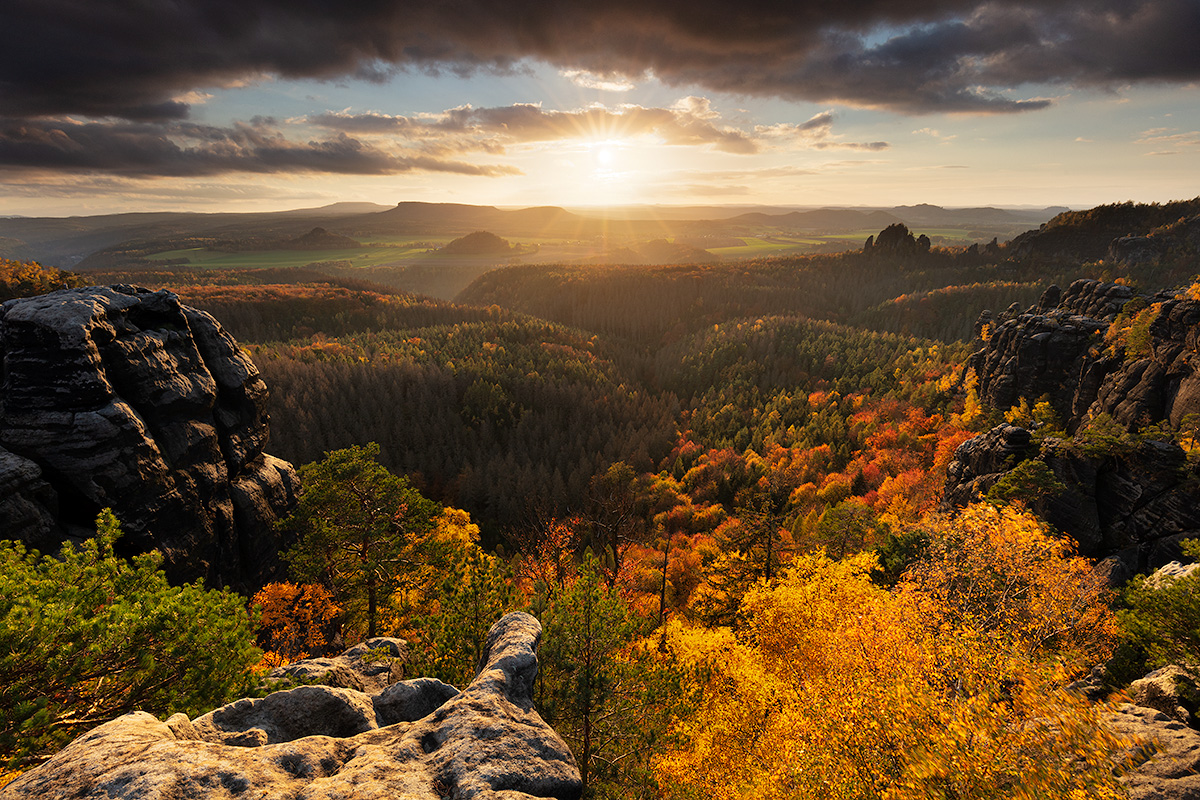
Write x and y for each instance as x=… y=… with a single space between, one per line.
x=836 y=687
x=295 y=619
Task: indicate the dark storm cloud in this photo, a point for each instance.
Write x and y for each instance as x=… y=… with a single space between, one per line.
x=187 y=149
x=134 y=60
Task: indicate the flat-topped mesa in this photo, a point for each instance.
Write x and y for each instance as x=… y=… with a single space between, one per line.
x=122 y=397
x=317 y=742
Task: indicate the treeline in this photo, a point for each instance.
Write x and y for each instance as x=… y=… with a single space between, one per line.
x=1081 y=236
x=655 y=305
x=26 y=278
x=949 y=313
x=283 y=312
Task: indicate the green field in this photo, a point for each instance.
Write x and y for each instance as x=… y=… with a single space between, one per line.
x=769 y=245
x=384 y=252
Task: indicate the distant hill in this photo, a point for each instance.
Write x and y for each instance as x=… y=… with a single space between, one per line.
x=1075 y=236
x=411 y=217
x=320 y=239
x=824 y=219
x=925 y=214
x=72 y=242
x=479 y=243
x=66 y=241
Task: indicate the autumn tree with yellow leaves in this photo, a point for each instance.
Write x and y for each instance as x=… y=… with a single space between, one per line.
x=947 y=686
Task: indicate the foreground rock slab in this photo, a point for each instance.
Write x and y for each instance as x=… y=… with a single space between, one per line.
x=487 y=742
x=1174 y=772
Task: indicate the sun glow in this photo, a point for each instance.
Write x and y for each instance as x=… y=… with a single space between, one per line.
x=607 y=153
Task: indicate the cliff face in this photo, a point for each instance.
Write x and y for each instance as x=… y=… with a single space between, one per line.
x=1134 y=498
x=1133 y=503
x=1056 y=350
x=416 y=739
x=126 y=398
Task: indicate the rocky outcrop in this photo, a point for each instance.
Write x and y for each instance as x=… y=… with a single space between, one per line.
x=1174 y=771
x=1181 y=237
x=122 y=397
x=1171 y=690
x=318 y=742
x=1051 y=350
x=1132 y=503
x=369 y=666
x=1056 y=350
x=1134 y=499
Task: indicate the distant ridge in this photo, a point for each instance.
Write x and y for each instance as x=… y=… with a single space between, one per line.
x=67 y=242
x=821 y=219
x=925 y=214
x=417 y=217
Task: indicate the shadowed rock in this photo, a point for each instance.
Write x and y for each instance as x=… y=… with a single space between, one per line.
x=121 y=397
x=318 y=743
x=1134 y=502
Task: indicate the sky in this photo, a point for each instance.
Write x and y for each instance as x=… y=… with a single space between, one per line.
x=255 y=105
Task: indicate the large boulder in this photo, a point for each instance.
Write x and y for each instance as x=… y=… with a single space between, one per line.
x=1171 y=690
x=318 y=742
x=121 y=397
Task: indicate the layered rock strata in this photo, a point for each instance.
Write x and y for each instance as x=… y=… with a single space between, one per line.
x=1134 y=500
x=1056 y=350
x=318 y=742
x=125 y=398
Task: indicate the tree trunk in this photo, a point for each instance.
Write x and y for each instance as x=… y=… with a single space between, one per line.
x=371 y=632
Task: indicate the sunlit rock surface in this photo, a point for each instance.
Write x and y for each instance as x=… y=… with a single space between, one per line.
x=319 y=742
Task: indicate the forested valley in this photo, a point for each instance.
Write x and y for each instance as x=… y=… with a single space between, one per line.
x=717 y=486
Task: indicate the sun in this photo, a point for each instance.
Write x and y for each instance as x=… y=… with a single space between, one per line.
x=606 y=155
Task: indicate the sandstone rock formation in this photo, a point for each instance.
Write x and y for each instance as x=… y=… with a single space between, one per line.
x=1134 y=504
x=1051 y=349
x=1171 y=690
x=1174 y=772
x=1056 y=350
x=318 y=742
x=354 y=669
x=122 y=397
x=1135 y=501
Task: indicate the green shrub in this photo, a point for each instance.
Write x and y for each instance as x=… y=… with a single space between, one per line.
x=88 y=636
x=1161 y=623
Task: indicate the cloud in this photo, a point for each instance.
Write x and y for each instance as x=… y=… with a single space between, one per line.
x=605 y=83
x=933 y=133
x=183 y=149
x=1170 y=137
x=374 y=143
x=689 y=122
x=135 y=61
x=816 y=133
